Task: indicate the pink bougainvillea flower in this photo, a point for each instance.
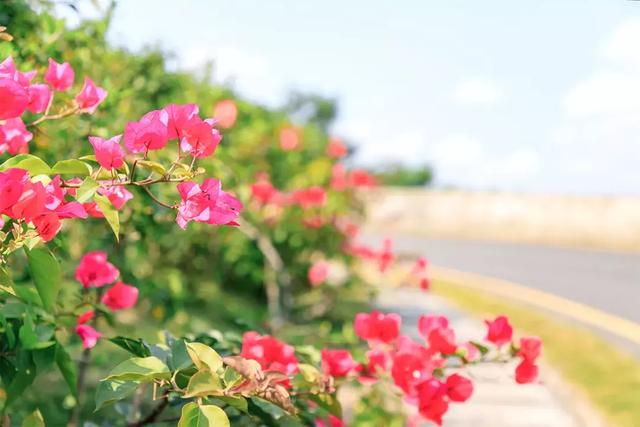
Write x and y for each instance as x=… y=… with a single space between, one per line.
x=362 y=179
x=94 y=270
x=177 y=117
x=39 y=97
x=331 y=421
x=425 y=283
x=150 y=133
x=88 y=335
x=59 y=76
x=90 y=96
x=8 y=70
x=85 y=317
x=526 y=372
x=338 y=363
x=318 y=273
x=314 y=222
x=14 y=99
x=12 y=183
x=109 y=153
x=271 y=353
x=199 y=138
x=530 y=348
x=14 y=136
x=93 y=210
x=427 y=323
x=31 y=203
x=442 y=340
x=338 y=177
x=499 y=331
x=120 y=296
x=47 y=226
x=348 y=228
x=378 y=361
x=206 y=203
x=289 y=138
x=420 y=266
x=263 y=191
x=226 y=113
x=386 y=257
x=459 y=388
x=310 y=197
x=117 y=195
x=336 y=148
x=431 y=400
x=376 y=326
x=409 y=370
x=71 y=210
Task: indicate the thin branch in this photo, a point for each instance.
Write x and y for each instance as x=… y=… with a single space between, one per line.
x=155 y=199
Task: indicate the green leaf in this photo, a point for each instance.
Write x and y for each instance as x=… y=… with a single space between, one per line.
x=34 y=165
x=202 y=416
x=71 y=167
x=6 y=284
x=86 y=190
x=179 y=357
x=142 y=369
x=67 y=368
x=267 y=407
x=328 y=402
x=238 y=402
x=46 y=274
x=135 y=347
x=204 y=356
x=110 y=213
x=34 y=419
x=483 y=349
x=109 y=392
x=25 y=374
x=203 y=383
x=154 y=166
x=310 y=373
x=27 y=333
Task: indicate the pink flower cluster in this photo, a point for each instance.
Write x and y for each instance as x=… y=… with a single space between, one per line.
x=417 y=369
x=205 y=202
x=19 y=95
x=95 y=271
x=341 y=179
x=271 y=353
x=43 y=206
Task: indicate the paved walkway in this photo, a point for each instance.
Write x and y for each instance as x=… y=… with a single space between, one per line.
x=497 y=400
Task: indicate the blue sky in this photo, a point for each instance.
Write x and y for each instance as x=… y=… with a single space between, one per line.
x=539 y=96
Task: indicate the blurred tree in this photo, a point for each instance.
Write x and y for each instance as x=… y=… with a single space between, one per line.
x=404 y=176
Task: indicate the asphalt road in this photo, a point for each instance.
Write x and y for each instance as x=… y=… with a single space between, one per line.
x=604 y=280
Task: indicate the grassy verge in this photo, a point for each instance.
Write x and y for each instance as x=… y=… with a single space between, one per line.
x=608 y=376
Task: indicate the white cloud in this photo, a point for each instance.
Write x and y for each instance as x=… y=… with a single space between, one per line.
x=605 y=92
x=462 y=160
x=622 y=45
x=599 y=138
x=477 y=93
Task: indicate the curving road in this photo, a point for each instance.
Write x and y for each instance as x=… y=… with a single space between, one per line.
x=604 y=280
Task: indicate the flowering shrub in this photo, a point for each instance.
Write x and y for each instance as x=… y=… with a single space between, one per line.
x=217 y=376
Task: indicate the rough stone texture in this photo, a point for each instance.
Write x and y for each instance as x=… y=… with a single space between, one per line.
x=497 y=401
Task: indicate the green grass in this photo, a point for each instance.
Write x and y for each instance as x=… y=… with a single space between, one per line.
x=607 y=375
